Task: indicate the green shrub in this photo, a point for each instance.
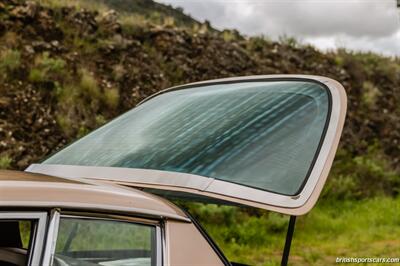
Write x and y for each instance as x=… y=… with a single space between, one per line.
x=100 y=120
x=81 y=103
x=10 y=59
x=339 y=61
x=5 y=162
x=231 y=35
x=65 y=123
x=51 y=64
x=362 y=176
x=46 y=68
x=289 y=41
x=84 y=44
x=370 y=93
x=256 y=44
x=37 y=75
x=88 y=84
x=111 y=97
x=72 y=109
x=10 y=38
x=78 y=4
x=118 y=72
x=133 y=24
x=82 y=131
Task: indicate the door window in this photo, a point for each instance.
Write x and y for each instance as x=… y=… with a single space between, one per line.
x=92 y=241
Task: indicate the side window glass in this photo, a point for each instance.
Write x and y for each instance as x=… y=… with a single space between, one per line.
x=84 y=241
x=16 y=237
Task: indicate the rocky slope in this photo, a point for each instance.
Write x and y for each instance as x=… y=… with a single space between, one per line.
x=150 y=10
x=65 y=71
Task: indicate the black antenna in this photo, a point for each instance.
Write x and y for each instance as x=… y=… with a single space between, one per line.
x=288 y=242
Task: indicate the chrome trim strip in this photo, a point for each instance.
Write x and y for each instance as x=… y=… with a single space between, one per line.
x=159 y=246
x=51 y=238
x=37 y=244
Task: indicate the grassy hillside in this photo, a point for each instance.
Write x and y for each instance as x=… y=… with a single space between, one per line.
x=67 y=67
x=65 y=71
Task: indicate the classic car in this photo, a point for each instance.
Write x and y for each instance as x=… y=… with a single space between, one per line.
x=107 y=199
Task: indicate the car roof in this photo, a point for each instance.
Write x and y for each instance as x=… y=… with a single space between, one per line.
x=30 y=190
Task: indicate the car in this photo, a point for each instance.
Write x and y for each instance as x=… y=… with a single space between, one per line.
x=107 y=199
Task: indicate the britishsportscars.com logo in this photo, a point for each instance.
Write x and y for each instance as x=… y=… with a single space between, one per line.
x=366 y=260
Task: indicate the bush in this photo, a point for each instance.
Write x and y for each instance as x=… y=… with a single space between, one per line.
x=88 y=84
x=84 y=99
x=118 y=72
x=133 y=24
x=5 y=162
x=111 y=97
x=46 y=68
x=370 y=93
x=10 y=60
x=36 y=75
x=362 y=176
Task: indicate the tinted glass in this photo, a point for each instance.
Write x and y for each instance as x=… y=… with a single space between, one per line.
x=258 y=134
x=104 y=242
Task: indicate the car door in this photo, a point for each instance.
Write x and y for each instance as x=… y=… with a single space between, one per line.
x=89 y=238
x=261 y=141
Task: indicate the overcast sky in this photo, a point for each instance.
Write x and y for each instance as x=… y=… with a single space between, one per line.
x=328 y=24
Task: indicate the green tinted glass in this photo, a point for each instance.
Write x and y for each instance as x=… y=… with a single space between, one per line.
x=258 y=134
x=104 y=242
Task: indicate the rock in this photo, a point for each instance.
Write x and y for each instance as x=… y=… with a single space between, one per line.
x=41 y=46
x=109 y=22
x=84 y=21
x=27 y=11
x=55 y=43
x=29 y=49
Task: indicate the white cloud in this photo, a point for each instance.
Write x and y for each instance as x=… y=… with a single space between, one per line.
x=355 y=24
x=386 y=45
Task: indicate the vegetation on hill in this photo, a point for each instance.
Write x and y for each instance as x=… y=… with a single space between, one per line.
x=67 y=67
x=151 y=11
x=67 y=70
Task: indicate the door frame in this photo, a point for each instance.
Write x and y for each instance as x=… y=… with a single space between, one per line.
x=38 y=236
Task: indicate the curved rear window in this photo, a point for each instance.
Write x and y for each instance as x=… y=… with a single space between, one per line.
x=262 y=134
